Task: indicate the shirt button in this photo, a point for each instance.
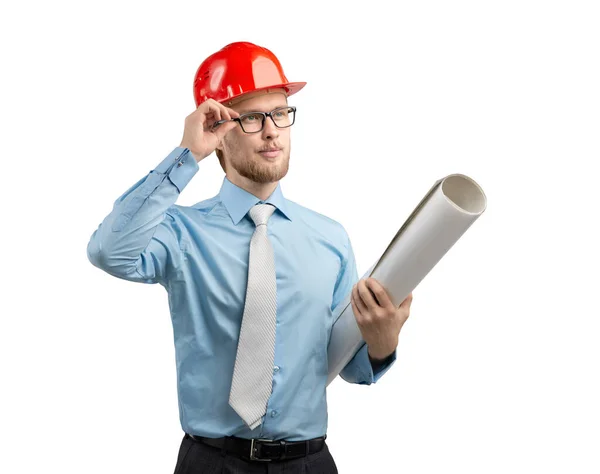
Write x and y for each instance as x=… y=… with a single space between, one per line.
x=276 y=368
x=274 y=413
x=179 y=164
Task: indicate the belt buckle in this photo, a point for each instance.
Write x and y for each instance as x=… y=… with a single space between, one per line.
x=254 y=447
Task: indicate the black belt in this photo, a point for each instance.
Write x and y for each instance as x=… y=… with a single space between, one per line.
x=261 y=449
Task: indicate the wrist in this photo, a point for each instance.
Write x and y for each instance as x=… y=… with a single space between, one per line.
x=379 y=357
x=197 y=156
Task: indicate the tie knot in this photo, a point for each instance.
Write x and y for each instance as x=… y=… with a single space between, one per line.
x=261 y=213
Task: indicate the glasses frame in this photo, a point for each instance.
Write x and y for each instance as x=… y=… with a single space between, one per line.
x=264 y=119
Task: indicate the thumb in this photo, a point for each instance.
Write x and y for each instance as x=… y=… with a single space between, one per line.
x=221 y=131
x=407 y=301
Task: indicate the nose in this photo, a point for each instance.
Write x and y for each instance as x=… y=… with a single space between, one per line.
x=270 y=131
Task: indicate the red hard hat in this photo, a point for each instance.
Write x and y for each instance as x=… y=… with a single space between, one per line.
x=237 y=69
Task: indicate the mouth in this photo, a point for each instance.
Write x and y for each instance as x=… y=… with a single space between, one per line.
x=270 y=152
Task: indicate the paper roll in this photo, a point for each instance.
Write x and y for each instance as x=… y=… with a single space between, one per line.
x=441 y=218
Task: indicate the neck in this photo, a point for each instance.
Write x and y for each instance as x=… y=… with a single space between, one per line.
x=261 y=190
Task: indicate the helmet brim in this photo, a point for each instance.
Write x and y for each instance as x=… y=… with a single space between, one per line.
x=290 y=87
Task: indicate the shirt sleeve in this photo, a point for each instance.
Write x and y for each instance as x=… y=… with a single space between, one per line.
x=348 y=275
x=136 y=241
x=360 y=369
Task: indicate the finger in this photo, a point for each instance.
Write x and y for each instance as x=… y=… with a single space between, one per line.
x=358 y=299
x=379 y=292
x=232 y=113
x=366 y=295
x=407 y=301
x=208 y=111
x=214 y=109
x=224 y=129
x=226 y=112
x=355 y=308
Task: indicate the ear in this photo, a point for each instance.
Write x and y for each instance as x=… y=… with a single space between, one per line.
x=220 y=146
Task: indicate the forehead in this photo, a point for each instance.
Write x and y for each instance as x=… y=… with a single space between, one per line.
x=261 y=103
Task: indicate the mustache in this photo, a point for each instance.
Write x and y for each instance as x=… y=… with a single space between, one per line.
x=271 y=147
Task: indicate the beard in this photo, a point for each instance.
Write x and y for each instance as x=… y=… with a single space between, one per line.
x=263 y=171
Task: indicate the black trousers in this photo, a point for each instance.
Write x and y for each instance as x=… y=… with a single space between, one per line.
x=198 y=458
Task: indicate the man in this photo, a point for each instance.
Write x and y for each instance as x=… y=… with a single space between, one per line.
x=252 y=279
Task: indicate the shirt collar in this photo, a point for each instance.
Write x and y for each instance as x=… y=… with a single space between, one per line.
x=238 y=201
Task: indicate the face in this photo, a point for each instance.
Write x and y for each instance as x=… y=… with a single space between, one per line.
x=262 y=157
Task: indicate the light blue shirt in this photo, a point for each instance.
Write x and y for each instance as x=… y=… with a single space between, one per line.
x=199 y=254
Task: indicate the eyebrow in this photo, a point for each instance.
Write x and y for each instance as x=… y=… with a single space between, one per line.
x=246 y=111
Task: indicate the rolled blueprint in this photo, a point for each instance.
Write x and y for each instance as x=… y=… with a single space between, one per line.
x=441 y=218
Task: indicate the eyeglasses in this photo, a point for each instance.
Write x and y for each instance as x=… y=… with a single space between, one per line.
x=254 y=122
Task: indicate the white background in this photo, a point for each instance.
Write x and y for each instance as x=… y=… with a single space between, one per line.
x=498 y=364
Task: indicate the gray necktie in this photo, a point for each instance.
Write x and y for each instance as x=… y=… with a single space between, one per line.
x=253 y=371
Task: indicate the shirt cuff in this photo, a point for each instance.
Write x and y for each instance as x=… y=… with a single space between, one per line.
x=180 y=166
x=380 y=367
x=360 y=370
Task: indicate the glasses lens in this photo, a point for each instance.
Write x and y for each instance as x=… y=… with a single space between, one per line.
x=283 y=117
x=251 y=122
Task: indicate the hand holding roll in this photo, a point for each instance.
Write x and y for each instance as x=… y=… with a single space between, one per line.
x=379 y=321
